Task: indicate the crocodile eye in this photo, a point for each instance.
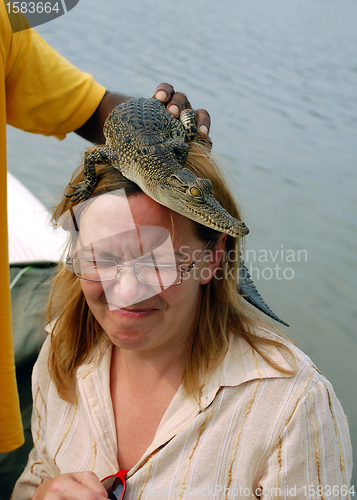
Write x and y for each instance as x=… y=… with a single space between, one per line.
x=195 y=191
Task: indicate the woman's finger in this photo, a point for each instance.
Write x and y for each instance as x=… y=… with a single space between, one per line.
x=71 y=486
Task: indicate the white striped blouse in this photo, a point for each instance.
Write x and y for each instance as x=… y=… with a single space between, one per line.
x=257 y=433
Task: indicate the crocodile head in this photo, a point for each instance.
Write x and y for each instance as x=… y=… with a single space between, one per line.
x=192 y=197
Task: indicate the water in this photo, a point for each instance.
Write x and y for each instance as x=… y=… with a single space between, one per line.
x=279 y=80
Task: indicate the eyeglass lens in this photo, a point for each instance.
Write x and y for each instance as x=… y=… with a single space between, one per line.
x=105 y=270
x=116 y=491
x=115 y=485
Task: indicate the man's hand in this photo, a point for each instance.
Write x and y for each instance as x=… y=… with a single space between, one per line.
x=175 y=102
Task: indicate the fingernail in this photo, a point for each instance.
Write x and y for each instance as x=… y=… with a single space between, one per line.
x=161 y=96
x=174 y=110
x=203 y=129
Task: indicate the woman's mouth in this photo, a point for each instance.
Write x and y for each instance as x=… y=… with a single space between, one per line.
x=125 y=312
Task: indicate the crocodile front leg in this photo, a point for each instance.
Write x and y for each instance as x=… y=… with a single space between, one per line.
x=188 y=120
x=99 y=156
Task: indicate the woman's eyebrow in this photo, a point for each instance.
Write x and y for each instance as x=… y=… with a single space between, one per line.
x=181 y=255
x=154 y=255
x=91 y=252
x=86 y=251
x=157 y=255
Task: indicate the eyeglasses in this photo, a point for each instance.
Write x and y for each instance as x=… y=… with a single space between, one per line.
x=148 y=273
x=115 y=485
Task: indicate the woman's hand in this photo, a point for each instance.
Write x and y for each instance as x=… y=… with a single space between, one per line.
x=72 y=486
x=175 y=102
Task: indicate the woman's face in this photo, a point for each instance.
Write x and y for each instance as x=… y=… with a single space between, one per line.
x=131 y=230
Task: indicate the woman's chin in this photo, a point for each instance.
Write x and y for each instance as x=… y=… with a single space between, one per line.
x=130 y=339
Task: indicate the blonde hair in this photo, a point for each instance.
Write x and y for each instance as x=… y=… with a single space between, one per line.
x=221 y=312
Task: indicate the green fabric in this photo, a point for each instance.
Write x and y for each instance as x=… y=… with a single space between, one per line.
x=28 y=300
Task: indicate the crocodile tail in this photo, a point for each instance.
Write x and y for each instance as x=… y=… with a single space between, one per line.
x=248 y=291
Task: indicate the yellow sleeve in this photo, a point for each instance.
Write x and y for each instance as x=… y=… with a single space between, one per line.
x=40 y=92
x=39 y=466
x=45 y=93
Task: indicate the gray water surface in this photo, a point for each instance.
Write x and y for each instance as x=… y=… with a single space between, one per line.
x=279 y=80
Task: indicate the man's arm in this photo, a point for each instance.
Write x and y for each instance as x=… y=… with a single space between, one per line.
x=92 y=130
x=175 y=102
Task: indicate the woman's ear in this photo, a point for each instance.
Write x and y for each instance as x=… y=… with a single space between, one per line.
x=213 y=263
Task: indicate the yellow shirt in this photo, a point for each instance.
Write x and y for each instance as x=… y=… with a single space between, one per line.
x=41 y=92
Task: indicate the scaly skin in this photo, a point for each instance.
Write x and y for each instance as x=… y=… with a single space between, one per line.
x=149 y=146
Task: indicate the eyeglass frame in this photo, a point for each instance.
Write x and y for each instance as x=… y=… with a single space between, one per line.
x=69 y=262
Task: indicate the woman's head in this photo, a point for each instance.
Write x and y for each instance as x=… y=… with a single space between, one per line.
x=106 y=222
x=210 y=307
x=135 y=257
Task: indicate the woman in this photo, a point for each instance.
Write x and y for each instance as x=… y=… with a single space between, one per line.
x=156 y=368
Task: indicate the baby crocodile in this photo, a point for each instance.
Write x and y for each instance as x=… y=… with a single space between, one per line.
x=149 y=146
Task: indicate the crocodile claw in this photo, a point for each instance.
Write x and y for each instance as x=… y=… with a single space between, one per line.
x=188 y=120
x=248 y=291
x=81 y=191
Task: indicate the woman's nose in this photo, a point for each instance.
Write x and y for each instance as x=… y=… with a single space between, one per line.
x=127 y=288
